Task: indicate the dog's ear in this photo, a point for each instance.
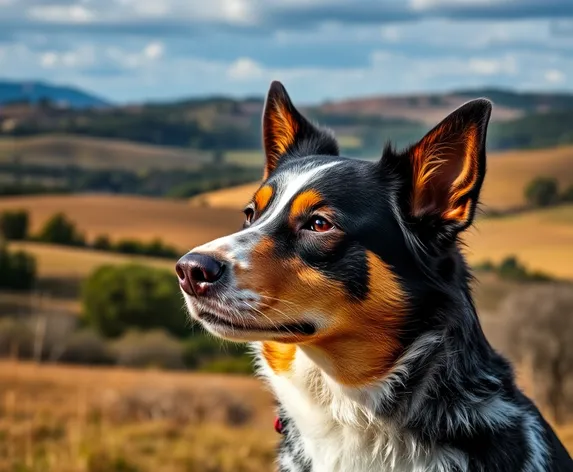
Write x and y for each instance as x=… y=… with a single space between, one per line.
x=447 y=167
x=287 y=133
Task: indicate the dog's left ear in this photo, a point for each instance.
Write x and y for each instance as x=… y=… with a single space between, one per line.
x=447 y=167
x=286 y=133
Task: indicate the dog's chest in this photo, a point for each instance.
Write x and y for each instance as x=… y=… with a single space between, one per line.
x=338 y=434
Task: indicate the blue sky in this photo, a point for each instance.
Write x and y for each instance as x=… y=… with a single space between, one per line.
x=134 y=50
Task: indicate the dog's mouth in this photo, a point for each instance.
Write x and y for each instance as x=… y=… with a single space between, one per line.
x=218 y=323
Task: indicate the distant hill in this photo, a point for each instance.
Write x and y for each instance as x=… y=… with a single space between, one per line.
x=219 y=124
x=35 y=92
x=430 y=108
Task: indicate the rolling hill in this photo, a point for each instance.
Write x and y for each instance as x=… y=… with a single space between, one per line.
x=507 y=175
x=34 y=92
x=542 y=239
x=97 y=153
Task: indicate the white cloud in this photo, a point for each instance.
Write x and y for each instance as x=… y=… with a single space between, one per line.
x=554 y=76
x=154 y=50
x=506 y=65
x=62 y=13
x=245 y=68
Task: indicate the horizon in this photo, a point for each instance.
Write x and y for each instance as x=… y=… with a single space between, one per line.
x=129 y=51
x=261 y=97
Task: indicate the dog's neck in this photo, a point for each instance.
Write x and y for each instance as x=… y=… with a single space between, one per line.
x=447 y=383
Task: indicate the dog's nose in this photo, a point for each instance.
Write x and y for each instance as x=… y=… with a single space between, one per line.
x=198 y=272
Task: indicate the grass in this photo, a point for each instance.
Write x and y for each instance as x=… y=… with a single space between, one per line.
x=56 y=418
x=542 y=239
x=98 y=153
x=83 y=419
x=121 y=217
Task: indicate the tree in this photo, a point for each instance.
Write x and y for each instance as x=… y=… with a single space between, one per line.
x=542 y=192
x=60 y=230
x=17 y=269
x=117 y=298
x=14 y=224
x=567 y=195
x=540 y=329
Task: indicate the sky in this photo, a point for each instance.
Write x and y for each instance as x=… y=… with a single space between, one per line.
x=151 y=50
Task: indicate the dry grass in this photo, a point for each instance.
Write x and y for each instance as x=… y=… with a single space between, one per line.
x=507 y=175
x=72 y=263
x=97 y=153
x=80 y=419
x=83 y=420
x=175 y=222
x=543 y=239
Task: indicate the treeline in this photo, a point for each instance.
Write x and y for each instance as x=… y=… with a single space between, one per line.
x=545 y=191
x=59 y=229
x=27 y=178
x=511 y=268
x=222 y=124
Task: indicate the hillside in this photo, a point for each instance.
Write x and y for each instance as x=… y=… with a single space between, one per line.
x=174 y=221
x=97 y=153
x=546 y=248
x=223 y=124
x=507 y=175
x=35 y=92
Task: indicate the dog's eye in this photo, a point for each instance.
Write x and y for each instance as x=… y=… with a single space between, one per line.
x=318 y=224
x=249 y=215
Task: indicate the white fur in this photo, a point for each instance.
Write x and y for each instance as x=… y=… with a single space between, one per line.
x=339 y=428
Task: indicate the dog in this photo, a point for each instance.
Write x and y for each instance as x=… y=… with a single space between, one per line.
x=348 y=280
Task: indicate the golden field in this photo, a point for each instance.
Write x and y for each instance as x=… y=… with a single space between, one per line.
x=507 y=175
x=97 y=153
x=70 y=419
x=542 y=239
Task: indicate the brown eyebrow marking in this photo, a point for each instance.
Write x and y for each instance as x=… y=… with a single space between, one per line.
x=303 y=202
x=263 y=197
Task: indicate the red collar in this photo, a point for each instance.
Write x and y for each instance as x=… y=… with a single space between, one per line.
x=279 y=427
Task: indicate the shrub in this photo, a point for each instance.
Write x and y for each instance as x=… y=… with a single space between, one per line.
x=567 y=195
x=229 y=365
x=60 y=230
x=86 y=347
x=542 y=191
x=102 y=243
x=540 y=329
x=117 y=298
x=129 y=246
x=14 y=224
x=149 y=349
x=17 y=269
x=512 y=269
x=16 y=338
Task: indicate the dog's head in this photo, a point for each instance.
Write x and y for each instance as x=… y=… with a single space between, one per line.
x=337 y=255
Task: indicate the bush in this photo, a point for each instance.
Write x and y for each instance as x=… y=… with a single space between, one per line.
x=540 y=329
x=17 y=269
x=16 y=338
x=60 y=230
x=204 y=352
x=567 y=195
x=14 y=224
x=511 y=268
x=149 y=349
x=102 y=243
x=229 y=365
x=117 y=298
x=86 y=347
x=542 y=191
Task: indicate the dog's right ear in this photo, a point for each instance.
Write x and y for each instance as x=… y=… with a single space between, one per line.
x=286 y=133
